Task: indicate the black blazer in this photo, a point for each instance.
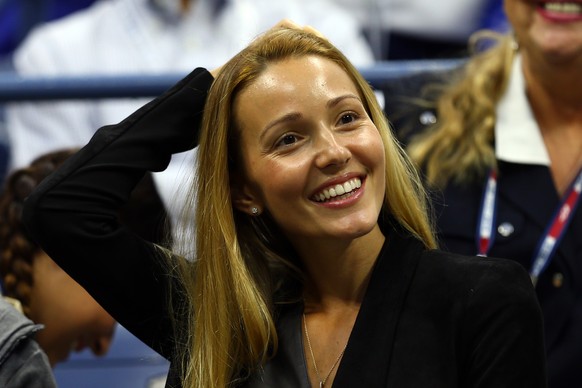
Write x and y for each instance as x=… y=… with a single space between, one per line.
x=527 y=200
x=428 y=319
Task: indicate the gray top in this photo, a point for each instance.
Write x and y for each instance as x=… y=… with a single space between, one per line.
x=23 y=364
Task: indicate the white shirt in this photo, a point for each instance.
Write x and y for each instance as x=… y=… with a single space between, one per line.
x=517 y=135
x=437 y=19
x=148 y=36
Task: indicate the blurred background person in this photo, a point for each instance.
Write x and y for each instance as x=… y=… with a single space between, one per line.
x=47 y=307
x=423 y=29
x=43 y=293
x=18 y=17
x=500 y=142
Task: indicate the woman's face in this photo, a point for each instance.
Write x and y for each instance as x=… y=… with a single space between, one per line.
x=311 y=153
x=549 y=31
x=73 y=320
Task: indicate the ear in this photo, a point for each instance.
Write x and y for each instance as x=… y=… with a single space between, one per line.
x=245 y=199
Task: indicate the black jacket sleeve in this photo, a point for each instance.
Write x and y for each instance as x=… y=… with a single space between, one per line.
x=73 y=214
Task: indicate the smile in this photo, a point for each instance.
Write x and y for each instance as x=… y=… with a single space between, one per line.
x=338 y=190
x=568 y=8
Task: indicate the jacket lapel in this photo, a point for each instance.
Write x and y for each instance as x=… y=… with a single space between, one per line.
x=366 y=361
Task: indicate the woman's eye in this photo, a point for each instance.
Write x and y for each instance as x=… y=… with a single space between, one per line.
x=287 y=140
x=347 y=118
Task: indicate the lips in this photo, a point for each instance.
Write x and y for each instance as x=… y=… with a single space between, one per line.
x=572 y=8
x=561 y=12
x=338 y=190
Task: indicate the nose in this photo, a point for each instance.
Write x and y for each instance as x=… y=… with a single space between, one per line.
x=100 y=345
x=102 y=338
x=330 y=151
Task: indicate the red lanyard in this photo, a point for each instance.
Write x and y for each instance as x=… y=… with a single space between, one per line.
x=550 y=239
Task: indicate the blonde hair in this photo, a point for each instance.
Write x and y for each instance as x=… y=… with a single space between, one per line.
x=240 y=263
x=459 y=146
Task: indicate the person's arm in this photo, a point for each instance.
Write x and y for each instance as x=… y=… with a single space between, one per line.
x=73 y=214
x=503 y=325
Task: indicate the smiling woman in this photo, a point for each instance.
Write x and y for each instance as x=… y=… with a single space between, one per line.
x=558 y=11
x=295 y=148
x=313 y=240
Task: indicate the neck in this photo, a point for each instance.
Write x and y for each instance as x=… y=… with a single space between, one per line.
x=337 y=275
x=338 y=271
x=555 y=97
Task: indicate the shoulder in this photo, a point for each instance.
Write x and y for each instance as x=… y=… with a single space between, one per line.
x=13 y=321
x=27 y=366
x=483 y=295
x=475 y=267
x=22 y=361
x=478 y=277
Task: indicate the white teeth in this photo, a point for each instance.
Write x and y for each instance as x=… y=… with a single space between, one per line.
x=564 y=7
x=338 y=190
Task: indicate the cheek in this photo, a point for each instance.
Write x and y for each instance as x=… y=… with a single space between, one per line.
x=89 y=312
x=372 y=155
x=510 y=8
x=282 y=181
x=370 y=152
x=80 y=308
x=518 y=15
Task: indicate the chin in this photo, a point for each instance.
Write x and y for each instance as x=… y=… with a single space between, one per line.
x=556 y=46
x=356 y=230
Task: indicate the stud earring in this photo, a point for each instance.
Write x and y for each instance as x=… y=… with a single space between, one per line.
x=255 y=210
x=514 y=43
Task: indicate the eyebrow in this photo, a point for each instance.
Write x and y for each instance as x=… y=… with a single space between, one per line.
x=294 y=116
x=287 y=118
x=334 y=101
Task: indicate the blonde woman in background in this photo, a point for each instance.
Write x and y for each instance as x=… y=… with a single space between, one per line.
x=503 y=150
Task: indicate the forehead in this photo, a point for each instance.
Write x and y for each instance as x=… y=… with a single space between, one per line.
x=294 y=84
x=303 y=72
